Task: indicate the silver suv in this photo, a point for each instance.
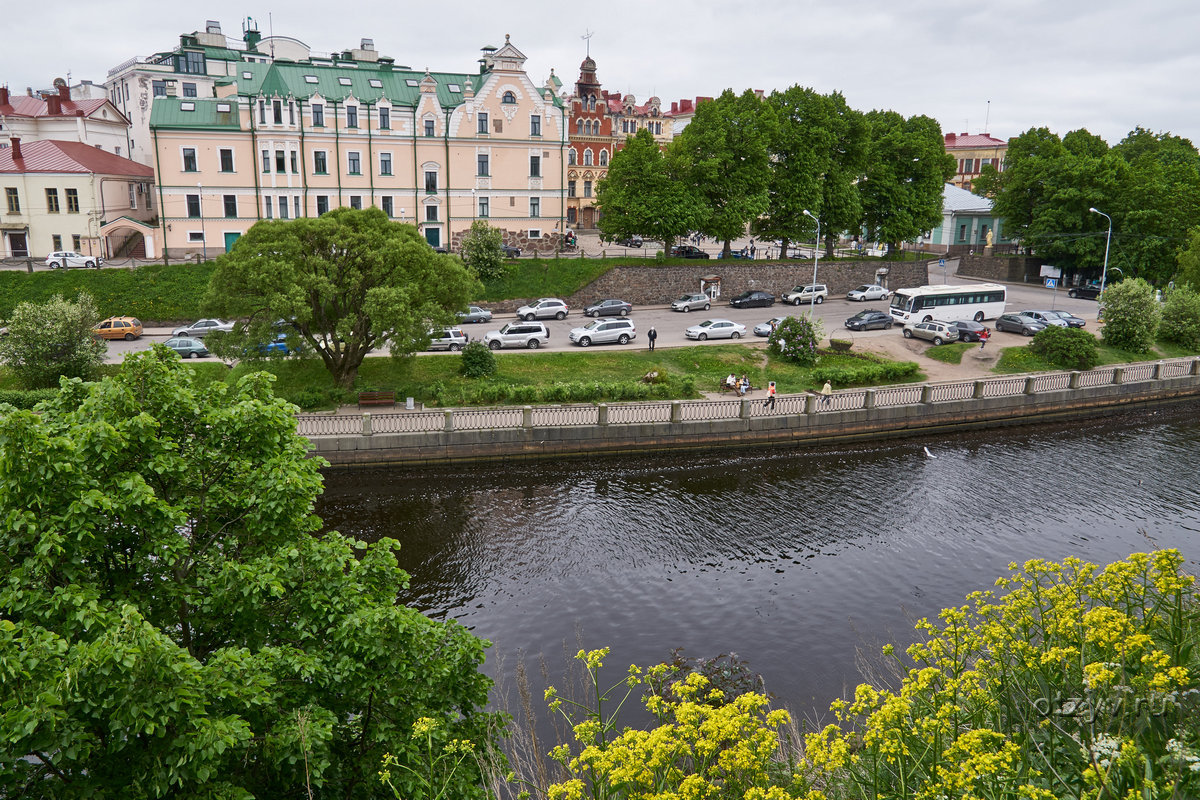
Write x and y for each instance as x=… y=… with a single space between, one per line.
x=518 y=334
x=935 y=331
x=603 y=331
x=544 y=308
x=812 y=293
x=452 y=339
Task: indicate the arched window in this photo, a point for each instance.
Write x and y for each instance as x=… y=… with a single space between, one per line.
x=509 y=97
x=604 y=158
x=571 y=158
x=587 y=158
x=579 y=125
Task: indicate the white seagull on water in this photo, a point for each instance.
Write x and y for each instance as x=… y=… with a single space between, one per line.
x=931 y=455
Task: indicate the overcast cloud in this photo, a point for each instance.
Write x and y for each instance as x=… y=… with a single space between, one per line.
x=1065 y=64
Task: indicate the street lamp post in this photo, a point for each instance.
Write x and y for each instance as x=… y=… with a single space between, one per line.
x=812 y=303
x=1104 y=272
x=203 y=233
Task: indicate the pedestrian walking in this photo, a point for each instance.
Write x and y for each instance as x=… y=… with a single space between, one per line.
x=651 y=335
x=983 y=337
x=751 y=250
x=770 y=401
x=826 y=393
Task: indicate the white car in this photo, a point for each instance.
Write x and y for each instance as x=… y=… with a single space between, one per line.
x=868 y=292
x=716 y=329
x=544 y=308
x=604 y=331
x=202 y=327
x=64 y=259
x=812 y=293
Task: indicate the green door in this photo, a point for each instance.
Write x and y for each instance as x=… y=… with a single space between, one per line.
x=433 y=236
x=230 y=238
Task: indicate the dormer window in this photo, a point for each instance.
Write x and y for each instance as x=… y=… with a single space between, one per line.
x=509 y=97
x=454 y=87
x=412 y=82
x=310 y=78
x=375 y=83
x=344 y=81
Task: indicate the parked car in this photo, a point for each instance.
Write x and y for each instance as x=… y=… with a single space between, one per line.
x=629 y=241
x=1019 y=323
x=689 y=302
x=715 y=329
x=187 y=347
x=753 y=299
x=812 y=293
x=279 y=346
x=510 y=251
x=968 y=330
x=1048 y=318
x=742 y=254
x=452 y=339
x=765 y=328
x=604 y=331
x=544 y=308
x=868 y=319
x=518 y=334
x=688 y=251
x=127 y=328
x=1069 y=318
x=1087 y=292
x=475 y=314
x=868 y=292
x=608 y=308
x=934 y=330
x=202 y=327
x=64 y=259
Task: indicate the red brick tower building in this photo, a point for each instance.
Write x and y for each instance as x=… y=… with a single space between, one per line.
x=589 y=148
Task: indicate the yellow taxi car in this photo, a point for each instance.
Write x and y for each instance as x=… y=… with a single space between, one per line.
x=127 y=328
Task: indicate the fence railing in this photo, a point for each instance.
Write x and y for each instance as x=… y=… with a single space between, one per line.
x=674 y=411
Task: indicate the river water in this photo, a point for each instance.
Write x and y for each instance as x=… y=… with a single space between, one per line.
x=793 y=559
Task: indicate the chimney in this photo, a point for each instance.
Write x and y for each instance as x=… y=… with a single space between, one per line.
x=64 y=92
x=53 y=105
x=16 y=148
x=3 y=95
x=950 y=138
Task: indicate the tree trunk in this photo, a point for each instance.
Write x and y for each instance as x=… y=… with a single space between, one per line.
x=783 y=247
x=726 y=249
x=829 y=242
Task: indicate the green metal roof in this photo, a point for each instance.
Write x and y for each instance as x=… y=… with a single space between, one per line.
x=340 y=80
x=168 y=112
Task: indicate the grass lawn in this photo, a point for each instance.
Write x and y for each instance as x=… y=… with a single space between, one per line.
x=1020 y=359
x=949 y=353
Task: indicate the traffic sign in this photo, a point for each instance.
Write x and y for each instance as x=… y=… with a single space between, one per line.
x=941 y=262
x=1051 y=283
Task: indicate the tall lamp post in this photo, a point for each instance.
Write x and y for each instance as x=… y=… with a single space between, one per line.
x=203 y=234
x=1104 y=272
x=812 y=303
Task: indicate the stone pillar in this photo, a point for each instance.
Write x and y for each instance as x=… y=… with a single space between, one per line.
x=810 y=404
x=1156 y=375
x=1030 y=382
x=602 y=414
x=676 y=412
x=366 y=420
x=927 y=394
x=1074 y=380
x=527 y=417
x=449 y=426
x=1196 y=367
x=1118 y=376
x=978 y=393
x=869 y=400
x=744 y=411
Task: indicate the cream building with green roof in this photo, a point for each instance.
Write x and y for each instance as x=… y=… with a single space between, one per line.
x=284 y=139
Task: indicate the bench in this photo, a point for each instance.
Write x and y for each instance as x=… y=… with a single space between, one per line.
x=383 y=398
x=724 y=387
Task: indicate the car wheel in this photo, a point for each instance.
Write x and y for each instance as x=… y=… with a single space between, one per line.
x=687 y=309
x=528 y=317
x=735 y=335
x=129 y=337
x=89 y=264
x=1072 y=293
x=887 y=326
x=820 y=299
x=493 y=345
x=937 y=340
x=624 y=312
x=907 y=333
x=702 y=337
x=561 y=315
x=1027 y=331
x=623 y=339
x=796 y=301
x=454 y=348
x=707 y=306
x=585 y=342
x=533 y=344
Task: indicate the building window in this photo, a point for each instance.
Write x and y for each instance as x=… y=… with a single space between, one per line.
x=296 y=205
x=266 y=160
x=482 y=164
x=189 y=159
x=72 y=201
x=322 y=204
x=193 y=205
x=431 y=182
x=587 y=158
x=76 y=242
x=353 y=163
x=280 y=161
x=56 y=242
x=535 y=166
x=535 y=233
x=158 y=88
x=604 y=158
x=277 y=112
x=318 y=115
x=509 y=97
x=189 y=89
x=587 y=188
x=535 y=125
x=483 y=206
x=535 y=206
x=132 y=194
x=190 y=63
x=195 y=236
x=262 y=111
x=570 y=158
x=283 y=208
x=429 y=127
x=385 y=163
x=386 y=200
x=320 y=165
x=571 y=215
x=570 y=188
x=291 y=113
x=269 y=207
x=482 y=122
x=351 y=116
x=356 y=201
x=52 y=204
x=230 y=206
x=226 y=160
x=294 y=159
x=385 y=119
x=431 y=214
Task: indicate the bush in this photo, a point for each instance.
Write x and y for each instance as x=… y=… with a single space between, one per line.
x=795 y=339
x=1066 y=348
x=54 y=339
x=1131 y=316
x=29 y=399
x=867 y=373
x=478 y=361
x=1181 y=318
x=481 y=250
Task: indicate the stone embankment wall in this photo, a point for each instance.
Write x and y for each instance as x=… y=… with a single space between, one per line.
x=1001 y=269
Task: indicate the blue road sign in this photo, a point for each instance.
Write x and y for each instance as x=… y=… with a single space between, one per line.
x=941 y=262
x=1051 y=283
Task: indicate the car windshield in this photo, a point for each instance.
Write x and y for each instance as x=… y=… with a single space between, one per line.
x=591 y=326
x=862 y=288
x=706 y=323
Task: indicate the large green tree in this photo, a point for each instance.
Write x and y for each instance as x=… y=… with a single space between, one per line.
x=482 y=250
x=642 y=194
x=348 y=281
x=173 y=622
x=46 y=341
x=907 y=171
x=725 y=147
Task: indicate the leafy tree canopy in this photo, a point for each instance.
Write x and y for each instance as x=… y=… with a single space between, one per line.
x=348 y=281
x=643 y=195
x=1131 y=315
x=46 y=341
x=481 y=250
x=172 y=624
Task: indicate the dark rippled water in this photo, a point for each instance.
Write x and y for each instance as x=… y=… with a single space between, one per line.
x=792 y=559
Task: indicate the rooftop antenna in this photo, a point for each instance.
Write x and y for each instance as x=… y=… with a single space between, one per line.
x=271 y=30
x=587 y=37
x=987 y=116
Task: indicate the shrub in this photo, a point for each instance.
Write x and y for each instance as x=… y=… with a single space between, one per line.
x=29 y=399
x=481 y=251
x=477 y=361
x=1131 y=316
x=1181 y=317
x=796 y=339
x=1066 y=348
x=868 y=372
x=54 y=339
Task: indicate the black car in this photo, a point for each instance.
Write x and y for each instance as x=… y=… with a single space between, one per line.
x=866 y=320
x=688 y=251
x=629 y=241
x=510 y=251
x=753 y=299
x=1087 y=292
x=968 y=330
x=608 y=308
x=1067 y=317
x=1019 y=323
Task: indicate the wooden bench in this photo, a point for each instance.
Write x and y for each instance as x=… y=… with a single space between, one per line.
x=384 y=398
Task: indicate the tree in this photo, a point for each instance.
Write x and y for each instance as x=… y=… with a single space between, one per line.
x=50 y=340
x=725 y=150
x=1131 y=315
x=174 y=623
x=903 y=187
x=841 y=203
x=642 y=194
x=348 y=281
x=481 y=250
x=1181 y=317
x=1188 y=260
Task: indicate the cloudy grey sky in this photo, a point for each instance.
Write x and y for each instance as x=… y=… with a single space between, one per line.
x=1104 y=65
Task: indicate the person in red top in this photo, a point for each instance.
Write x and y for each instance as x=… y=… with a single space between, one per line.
x=770 y=401
x=983 y=337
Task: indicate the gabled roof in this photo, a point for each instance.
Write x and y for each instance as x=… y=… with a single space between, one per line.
x=960 y=201
x=51 y=155
x=25 y=106
x=339 y=81
x=183 y=113
x=955 y=141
